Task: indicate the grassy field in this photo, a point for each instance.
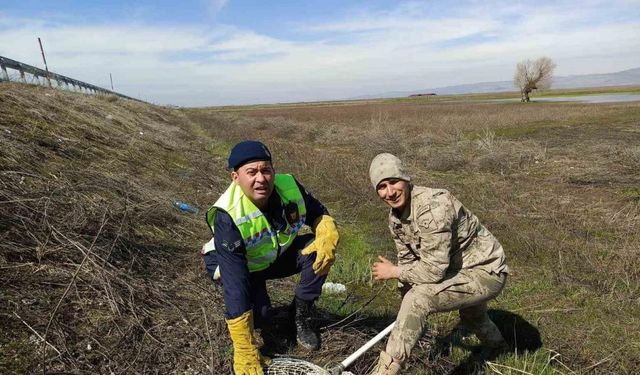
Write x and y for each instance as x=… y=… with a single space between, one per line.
x=630 y=89
x=101 y=273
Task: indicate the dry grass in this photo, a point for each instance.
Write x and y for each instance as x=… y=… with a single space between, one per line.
x=96 y=261
x=557 y=183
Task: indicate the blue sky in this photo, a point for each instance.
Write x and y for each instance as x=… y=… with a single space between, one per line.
x=214 y=52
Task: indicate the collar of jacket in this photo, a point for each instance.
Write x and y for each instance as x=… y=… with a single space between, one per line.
x=409 y=212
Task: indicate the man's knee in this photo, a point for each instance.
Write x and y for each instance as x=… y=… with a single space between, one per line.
x=425 y=298
x=301 y=243
x=410 y=324
x=414 y=311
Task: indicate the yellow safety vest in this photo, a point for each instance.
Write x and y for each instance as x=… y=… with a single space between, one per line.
x=262 y=243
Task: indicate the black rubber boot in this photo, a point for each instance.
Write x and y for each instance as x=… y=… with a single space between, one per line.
x=305 y=336
x=490 y=353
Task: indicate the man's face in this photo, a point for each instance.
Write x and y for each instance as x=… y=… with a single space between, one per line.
x=395 y=192
x=256 y=180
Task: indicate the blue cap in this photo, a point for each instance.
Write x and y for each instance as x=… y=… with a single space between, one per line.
x=247 y=151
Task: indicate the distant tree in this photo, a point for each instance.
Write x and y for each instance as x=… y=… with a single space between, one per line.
x=533 y=75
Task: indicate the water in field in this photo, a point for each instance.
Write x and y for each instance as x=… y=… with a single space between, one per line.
x=613 y=98
x=600 y=98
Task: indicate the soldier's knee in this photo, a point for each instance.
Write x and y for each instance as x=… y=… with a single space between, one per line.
x=413 y=309
x=422 y=305
x=426 y=305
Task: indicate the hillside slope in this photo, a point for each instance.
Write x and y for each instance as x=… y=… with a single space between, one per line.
x=94 y=257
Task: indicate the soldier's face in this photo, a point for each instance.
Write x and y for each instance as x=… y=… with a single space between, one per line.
x=394 y=192
x=256 y=180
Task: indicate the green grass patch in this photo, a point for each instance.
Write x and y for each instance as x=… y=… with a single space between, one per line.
x=353 y=258
x=18 y=354
x=632 y=194
x=541 y=362
x=219 y=148
x=517 y=132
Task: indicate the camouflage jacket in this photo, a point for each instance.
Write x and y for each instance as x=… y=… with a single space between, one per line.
x=437 y=236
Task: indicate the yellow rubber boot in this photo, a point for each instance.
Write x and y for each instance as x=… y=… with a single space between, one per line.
x=247 y=360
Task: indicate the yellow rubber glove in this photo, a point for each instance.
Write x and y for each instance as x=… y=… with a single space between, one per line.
x=247 y=360
x=324 y=245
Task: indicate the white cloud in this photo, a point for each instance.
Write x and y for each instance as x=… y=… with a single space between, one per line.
x=241 y=45
x=411 y=47
x=121 y=39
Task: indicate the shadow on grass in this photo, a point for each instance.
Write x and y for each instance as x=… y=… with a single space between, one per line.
x=520 y=335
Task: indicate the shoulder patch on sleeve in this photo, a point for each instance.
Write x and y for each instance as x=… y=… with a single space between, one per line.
x=437 y=192
x=231 y=246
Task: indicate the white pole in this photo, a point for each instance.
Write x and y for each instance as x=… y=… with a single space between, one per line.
x=344 y=364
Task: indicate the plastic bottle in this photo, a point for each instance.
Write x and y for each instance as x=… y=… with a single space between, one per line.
x=332 y=288
x=185 y=207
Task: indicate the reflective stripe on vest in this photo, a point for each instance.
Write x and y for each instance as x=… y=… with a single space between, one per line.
x=260 y=240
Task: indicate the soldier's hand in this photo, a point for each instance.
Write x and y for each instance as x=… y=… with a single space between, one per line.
x=385 y=270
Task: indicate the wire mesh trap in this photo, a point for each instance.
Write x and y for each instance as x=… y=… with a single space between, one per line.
x=295 y=366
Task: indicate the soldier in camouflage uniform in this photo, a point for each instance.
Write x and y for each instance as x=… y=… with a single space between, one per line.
x=447 y=261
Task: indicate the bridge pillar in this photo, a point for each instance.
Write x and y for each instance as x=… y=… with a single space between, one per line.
x=5 y=75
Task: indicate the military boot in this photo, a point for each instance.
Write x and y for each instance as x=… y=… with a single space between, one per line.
x=305 y=336
x=387 y=365
x=490 y=352
x=493 y=344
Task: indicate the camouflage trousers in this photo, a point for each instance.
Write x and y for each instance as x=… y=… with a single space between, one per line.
x=467 y=291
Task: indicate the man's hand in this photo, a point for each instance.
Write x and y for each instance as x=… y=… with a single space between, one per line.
x=385 y=270
x=324 y=245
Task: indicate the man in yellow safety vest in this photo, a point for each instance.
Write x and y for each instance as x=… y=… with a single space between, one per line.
x=255 y=225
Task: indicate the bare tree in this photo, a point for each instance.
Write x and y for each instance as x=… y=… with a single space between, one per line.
x=533 y=75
